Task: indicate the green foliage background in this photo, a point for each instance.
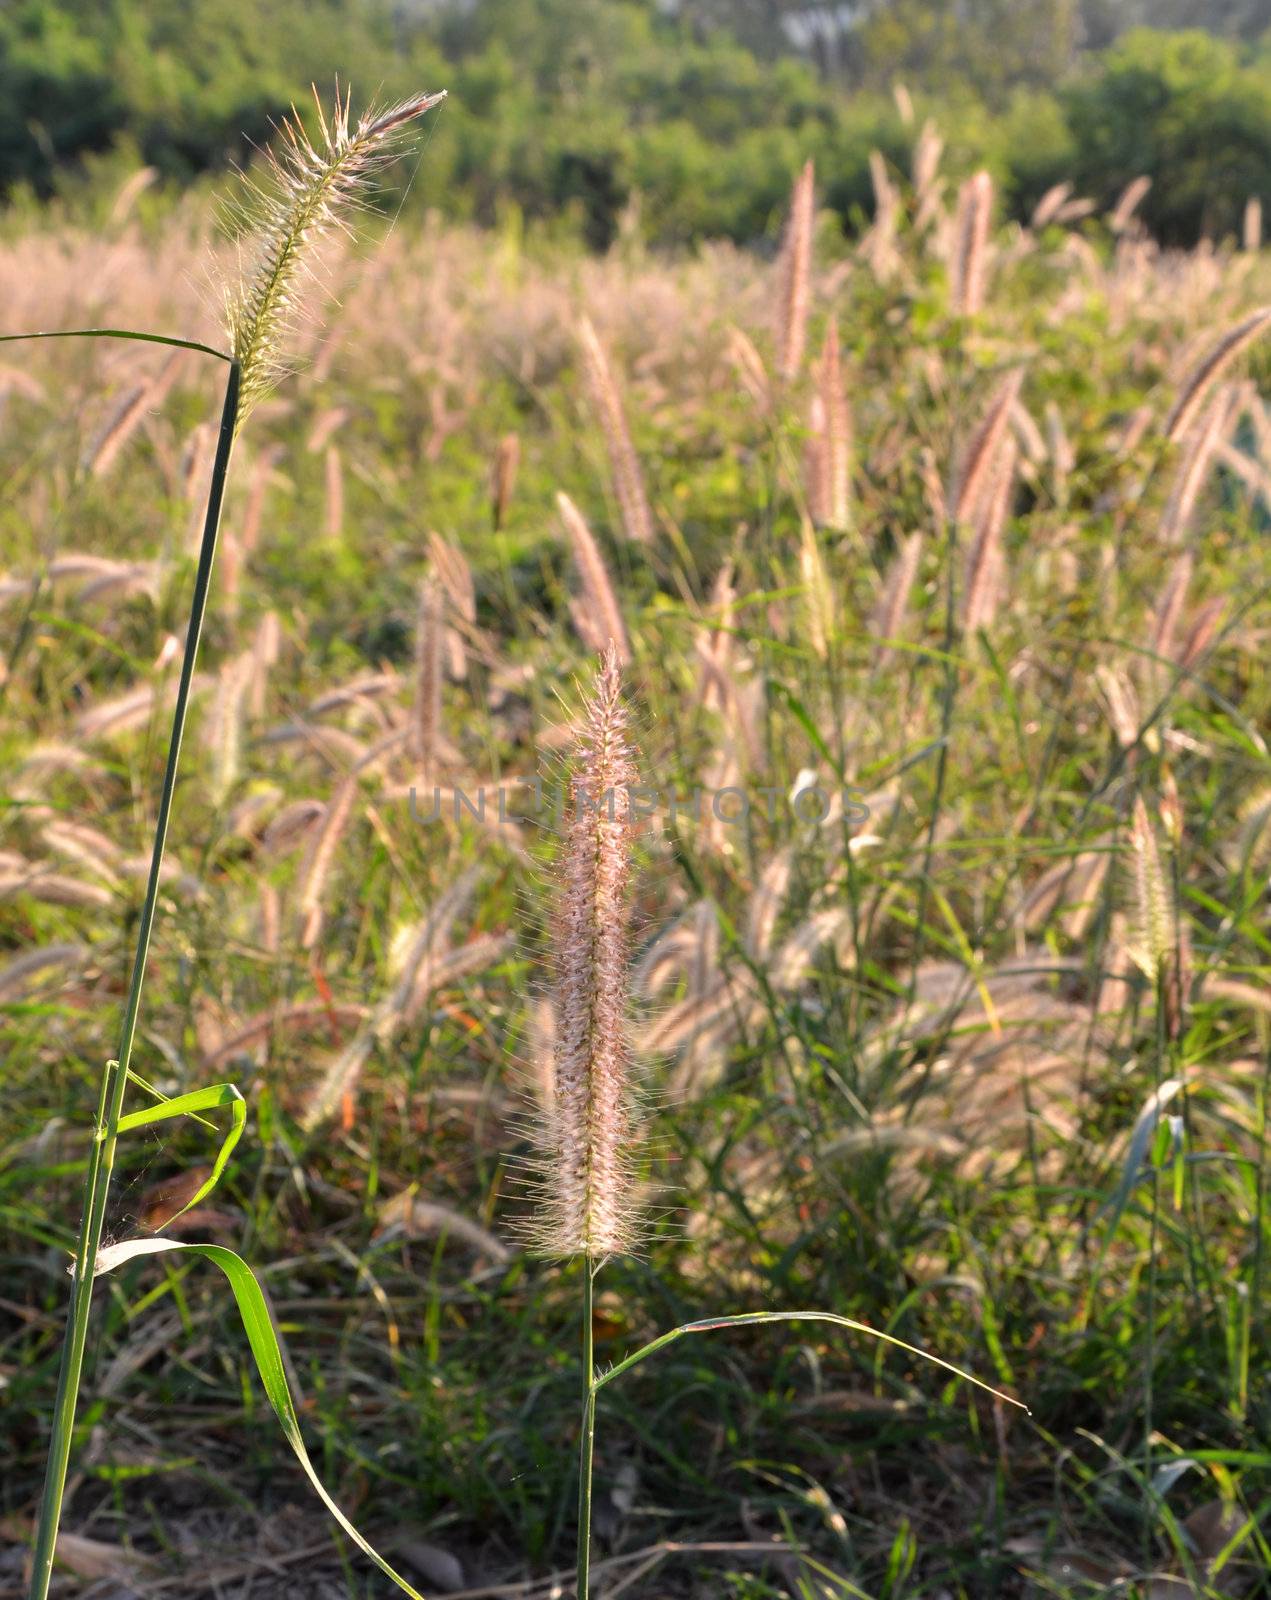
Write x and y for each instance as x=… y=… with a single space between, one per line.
x=576 y=108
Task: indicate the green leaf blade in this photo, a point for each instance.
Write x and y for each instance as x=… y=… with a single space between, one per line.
x=263 y=1341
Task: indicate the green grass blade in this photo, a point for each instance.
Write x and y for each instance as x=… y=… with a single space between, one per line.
x=1136 y=1154
x=748 y=1319
x=120 y=333
x=806 y=721
x=264 y=1347
x=211 y=1098
x=215 y=1095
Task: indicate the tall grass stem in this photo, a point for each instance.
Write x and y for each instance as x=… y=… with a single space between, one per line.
x=587 y=1441
x=115 y=1074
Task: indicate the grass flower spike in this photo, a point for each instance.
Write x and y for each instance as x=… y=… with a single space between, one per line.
x=588 y=1207
x=1153 y=910
x=308 y=190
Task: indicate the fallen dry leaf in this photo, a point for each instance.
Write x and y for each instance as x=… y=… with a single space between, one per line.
x=86 y=1558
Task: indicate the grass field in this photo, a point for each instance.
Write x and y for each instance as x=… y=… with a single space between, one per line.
x=970 y=526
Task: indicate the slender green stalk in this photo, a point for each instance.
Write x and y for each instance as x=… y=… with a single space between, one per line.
x=1259 y=1214
x=1149 y=1357
x=115 y=1074
x=948 y=696
x=586 y=1444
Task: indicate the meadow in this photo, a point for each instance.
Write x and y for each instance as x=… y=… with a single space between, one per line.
x=937 y=563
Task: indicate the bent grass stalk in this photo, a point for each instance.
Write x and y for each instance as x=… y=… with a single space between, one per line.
x=312 y=187
x=588 y=1128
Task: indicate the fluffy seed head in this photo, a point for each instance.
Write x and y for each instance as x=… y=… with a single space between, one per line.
x=1132 y=196
x=429 y=638
x=1154 y=920
x=970 y=257
x=606 y=401
x=830 y=464
x=889 y=611
x=794 y=271
x=1195 y=463
x=926 y=159
x=599 y=616
x=310 y=187
x=984 y=560
x=586 y=1200
x=1220 y=355
x=981 y=453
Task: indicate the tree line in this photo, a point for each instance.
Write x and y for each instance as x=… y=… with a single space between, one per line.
x=692 y=116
